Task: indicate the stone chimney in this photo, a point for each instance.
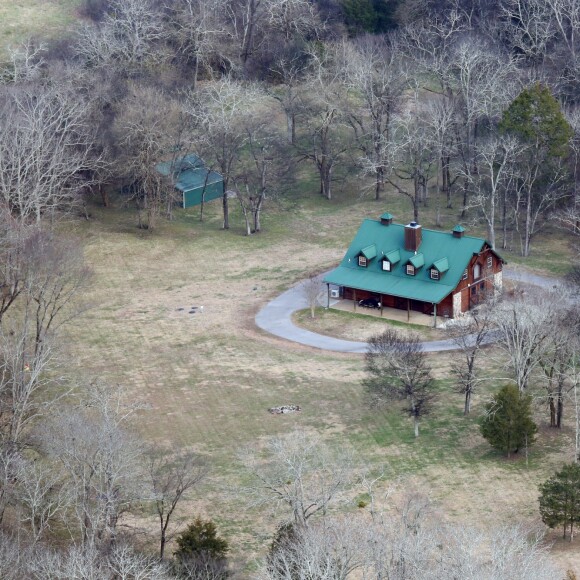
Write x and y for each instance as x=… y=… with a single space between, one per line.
x=458 y=231
x=412 y=237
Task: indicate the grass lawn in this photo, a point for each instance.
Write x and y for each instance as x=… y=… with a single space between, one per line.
x=358 y=327
x=209 y=378
x=39 y=19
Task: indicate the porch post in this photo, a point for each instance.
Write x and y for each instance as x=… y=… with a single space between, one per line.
x=408 y=310
x=434 y=315
x=382 y=300
x=327 y=295
x=354 y=301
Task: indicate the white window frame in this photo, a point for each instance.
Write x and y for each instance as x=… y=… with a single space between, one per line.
x=362 y=261
x=434 y=274
x=465 y=274
x=386 y=266
x=476 y=271
x=490 y=262
x=410 y=270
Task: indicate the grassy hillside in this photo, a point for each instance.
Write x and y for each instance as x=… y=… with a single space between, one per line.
x=21 y=19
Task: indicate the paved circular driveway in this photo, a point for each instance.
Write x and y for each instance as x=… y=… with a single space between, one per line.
x=276 y=318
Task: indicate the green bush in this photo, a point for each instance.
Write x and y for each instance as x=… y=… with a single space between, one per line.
x=201 y=551
x=508 y=424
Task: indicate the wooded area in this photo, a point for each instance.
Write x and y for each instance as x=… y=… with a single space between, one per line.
x=469 y=106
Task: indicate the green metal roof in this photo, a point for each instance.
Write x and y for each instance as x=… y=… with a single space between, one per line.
x=417 y=260
x=435 y=246
x=369 y=252
x=189 y=172
x=441 y=265
x=394 y=256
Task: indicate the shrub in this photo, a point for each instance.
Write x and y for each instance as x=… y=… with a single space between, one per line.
x=508 y=424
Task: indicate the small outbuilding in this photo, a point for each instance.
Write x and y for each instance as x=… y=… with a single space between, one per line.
x=410 y=268
x=195 y=182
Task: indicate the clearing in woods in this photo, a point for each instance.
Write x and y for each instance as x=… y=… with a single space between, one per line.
x=209 y=377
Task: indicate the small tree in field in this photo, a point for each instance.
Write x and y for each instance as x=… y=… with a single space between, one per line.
x=201 y=553
x=311 y=288
x=560 y=499
x=508 y=424
x=397 y=369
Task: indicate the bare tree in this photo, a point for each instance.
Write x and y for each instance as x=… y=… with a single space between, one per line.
x=219 y=113
x=148 y=126
x=171 y=477
x=322 y=100
x=311 y=289
x=101 y=462
x=490 y=185
x=299 y=472
x=128 y=38
x=397 y=369
x=523 y=324
x=198 y=28
x=39 y=495
x=377 y=77
x=470 y=334
x=45 y=148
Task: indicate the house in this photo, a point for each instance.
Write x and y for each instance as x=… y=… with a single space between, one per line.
x=193 y=180
x=415 y=269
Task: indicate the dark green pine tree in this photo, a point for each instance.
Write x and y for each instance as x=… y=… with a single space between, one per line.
x=508 y=424
x=536 y=118
x=201 y=537
x=560 y=499
x=359 y=15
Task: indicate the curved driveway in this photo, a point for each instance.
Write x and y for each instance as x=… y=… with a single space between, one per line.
x=276 y=318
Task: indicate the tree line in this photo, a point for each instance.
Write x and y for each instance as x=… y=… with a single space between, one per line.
x=465 y=104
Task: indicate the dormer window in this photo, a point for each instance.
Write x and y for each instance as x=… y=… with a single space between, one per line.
x=410 y=270
x=386 y=265
x=366 y=255
x=362 y=261
x=438 y=268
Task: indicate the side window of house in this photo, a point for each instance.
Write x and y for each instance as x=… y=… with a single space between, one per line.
x=464 y=277
x=489 y=262
x=362 y=261
x=476 y=271
x=410 y=270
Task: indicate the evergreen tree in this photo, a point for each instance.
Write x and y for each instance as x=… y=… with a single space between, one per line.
x=201 y=551
x=536 y=118
x=508 y=423
x=560 y=499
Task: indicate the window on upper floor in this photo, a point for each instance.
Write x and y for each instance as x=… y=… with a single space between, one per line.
x=476 y=271
x=386 y=265
x=489 y=262
x=410 y=270
x=362 y=261
x=464 y=277
x=434 y=274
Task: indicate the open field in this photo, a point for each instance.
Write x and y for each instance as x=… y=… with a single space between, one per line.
x=21 y=19
x=209 y=377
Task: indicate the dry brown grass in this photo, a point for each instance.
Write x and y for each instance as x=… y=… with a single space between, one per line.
x=39 y=19
x=209 y=377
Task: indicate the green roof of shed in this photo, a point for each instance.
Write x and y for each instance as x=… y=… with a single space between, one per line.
x=189 y=172
x=435 y=247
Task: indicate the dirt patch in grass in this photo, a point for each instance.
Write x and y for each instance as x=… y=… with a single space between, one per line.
x=358 y=327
